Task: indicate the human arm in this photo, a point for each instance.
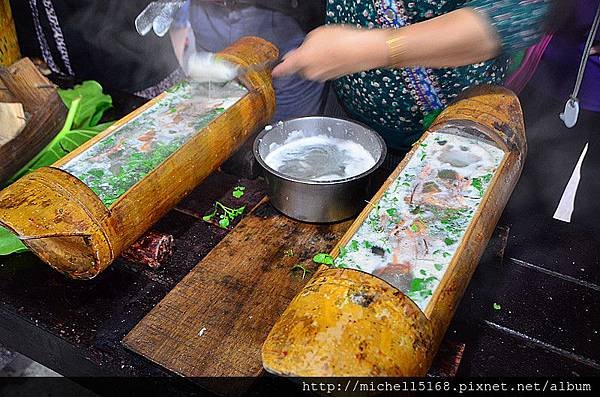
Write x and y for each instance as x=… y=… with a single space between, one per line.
x=464 y=36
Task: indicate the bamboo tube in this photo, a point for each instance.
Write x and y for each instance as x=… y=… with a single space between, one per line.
x=79 y=232
x=9 y=47
x=347 y=322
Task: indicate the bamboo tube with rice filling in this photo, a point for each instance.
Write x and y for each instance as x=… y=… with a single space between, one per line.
x=347 y=322
x=67 y=223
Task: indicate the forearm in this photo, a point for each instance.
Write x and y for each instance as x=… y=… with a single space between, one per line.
x=458 y=38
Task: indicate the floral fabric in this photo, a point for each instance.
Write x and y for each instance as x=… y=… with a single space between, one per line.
x=396 y=102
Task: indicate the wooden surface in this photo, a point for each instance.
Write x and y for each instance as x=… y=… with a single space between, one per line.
x=83 y=241
x=235 y=295
x=44 y=108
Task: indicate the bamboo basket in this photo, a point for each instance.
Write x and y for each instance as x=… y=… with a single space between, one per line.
x=66 y=223
x=346 y=322
x=9 y=47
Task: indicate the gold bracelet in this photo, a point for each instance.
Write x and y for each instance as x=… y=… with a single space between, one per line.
x=396 y=48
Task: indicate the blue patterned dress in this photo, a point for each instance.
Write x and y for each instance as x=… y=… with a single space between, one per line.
x=396 y=102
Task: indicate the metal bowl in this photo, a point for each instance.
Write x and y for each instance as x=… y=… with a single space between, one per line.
x=319 y=201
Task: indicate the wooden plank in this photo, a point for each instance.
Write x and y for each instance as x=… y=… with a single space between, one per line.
x=214 y=322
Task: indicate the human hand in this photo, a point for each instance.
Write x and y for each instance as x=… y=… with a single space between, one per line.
x=329 y=52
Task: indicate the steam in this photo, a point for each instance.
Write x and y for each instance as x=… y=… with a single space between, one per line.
x=207 y=67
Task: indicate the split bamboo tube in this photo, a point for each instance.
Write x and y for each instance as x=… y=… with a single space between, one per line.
x=68 y=226
x=350 y=323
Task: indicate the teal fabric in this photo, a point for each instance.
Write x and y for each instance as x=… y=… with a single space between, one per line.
x=388 y=101
x=517 y=22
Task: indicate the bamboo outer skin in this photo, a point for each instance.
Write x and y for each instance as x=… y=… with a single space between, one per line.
x=349 y=323
x=60 y=219
x=9 y=46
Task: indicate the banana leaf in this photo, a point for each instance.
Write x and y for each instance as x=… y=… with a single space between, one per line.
x=9 y=243
x=93 y=103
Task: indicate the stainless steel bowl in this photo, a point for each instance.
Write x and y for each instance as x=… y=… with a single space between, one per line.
x=319 y=201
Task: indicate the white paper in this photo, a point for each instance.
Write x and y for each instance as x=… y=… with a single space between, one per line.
x=567 y=202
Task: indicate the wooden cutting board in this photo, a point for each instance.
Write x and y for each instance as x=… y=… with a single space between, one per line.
x=214 y=322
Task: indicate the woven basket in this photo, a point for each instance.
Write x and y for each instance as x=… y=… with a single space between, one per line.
x=9 y=47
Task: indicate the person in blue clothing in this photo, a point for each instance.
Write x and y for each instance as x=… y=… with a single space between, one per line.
x=217 y=24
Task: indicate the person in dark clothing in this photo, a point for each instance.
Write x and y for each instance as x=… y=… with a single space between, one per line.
x=90 y=39
x=285 y=23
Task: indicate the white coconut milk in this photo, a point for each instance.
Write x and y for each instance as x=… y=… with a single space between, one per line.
x=319 y=158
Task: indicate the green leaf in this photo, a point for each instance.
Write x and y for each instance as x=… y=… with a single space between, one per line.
x=238 y=191
x=438 y=267
x=224 y=222
x=64 y=142
x=9 y=243
x=324 y=259
x=93 y=103
x=497 y=306
x=305 y=271
x=449 y=241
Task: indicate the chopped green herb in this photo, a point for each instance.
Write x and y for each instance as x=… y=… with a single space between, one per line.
x=354 y=245
x=368 y=244
x=224 y=222
x=238 y=191
x=449 y=241
x=227 y=215
x=324 y=259
x=343 y=252
x=438 y=267
x=478 y=183
x=497 y=306
x=305 y=271
x=416 y=210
